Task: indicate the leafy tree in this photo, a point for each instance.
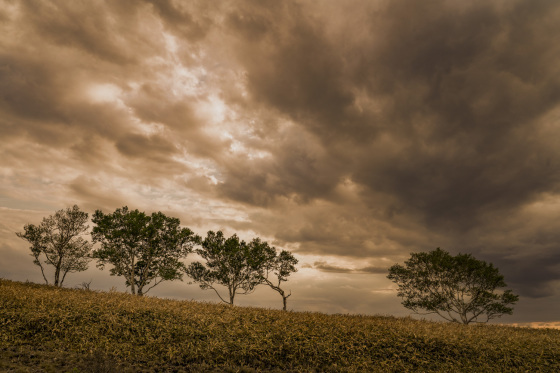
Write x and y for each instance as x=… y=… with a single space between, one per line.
x=145 y=250
x=230 y=262
x=58 y=239
x=280 y=266
x=458 y=288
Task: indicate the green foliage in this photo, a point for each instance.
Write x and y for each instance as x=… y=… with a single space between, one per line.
x=145 y=250
x=458 y=288
x=58 y=239
x=52 y=329
x=280 y=266
x=230 y=262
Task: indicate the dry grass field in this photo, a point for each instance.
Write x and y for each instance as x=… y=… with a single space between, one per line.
x=46 y=329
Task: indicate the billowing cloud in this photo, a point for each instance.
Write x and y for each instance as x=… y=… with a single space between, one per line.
x=326 y=267
x=352 y=133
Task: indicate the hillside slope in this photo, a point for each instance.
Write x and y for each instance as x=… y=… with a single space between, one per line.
x=43 y=328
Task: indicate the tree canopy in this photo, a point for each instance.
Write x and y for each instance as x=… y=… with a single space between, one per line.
x=458 y=288
x=58 y=242
x=229 y=262
x=145 y=250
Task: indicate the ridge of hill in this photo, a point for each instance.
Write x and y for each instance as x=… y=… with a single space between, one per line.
x=48 y=329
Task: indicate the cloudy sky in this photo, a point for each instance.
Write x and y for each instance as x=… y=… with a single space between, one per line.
x=349 y=132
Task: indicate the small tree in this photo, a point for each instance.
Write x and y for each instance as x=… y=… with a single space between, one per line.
x=458 y=288
x=280 y=266
x=58 y=239
x=229 y=262
x=143 y=249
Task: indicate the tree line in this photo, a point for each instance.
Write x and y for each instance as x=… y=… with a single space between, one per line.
x=147 y=250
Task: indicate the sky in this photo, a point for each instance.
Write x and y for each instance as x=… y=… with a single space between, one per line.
x=351 y=133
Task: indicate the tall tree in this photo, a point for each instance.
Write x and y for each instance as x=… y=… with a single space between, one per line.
x=230 y=262
x=59 y=240
x=458 y=288
x=145 y=250
x=280 y=266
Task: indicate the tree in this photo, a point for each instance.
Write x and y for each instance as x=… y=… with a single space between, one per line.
x=280 y=266
x=458 y=288
x=230 y=262
x=145 y=250
x=58 y=239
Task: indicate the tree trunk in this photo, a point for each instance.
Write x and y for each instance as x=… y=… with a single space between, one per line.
x=132 y=282
x=285 y=300
x=56 y=275
x=63 y=277
x=43 y=272
x=57 y=270
x=231 y=295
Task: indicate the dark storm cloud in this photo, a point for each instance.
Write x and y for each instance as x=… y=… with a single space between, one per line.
x=25 y=85
x=94 y=195
x=291 y=65
x=460 y=108
x=529 y=259
x=326 y=267
x=440 y=111
x=153 y=104
x=40 y=84
x=533 y=277
x=182 y=21
x=136 y=145
x=296 y=169
x=57 y=74
x=465 y=109
x=87 y=27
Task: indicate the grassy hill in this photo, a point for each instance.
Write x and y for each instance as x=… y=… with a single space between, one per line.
x=45 y=329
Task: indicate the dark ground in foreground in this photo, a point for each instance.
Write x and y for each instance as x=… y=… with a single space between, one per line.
x=46 y=329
